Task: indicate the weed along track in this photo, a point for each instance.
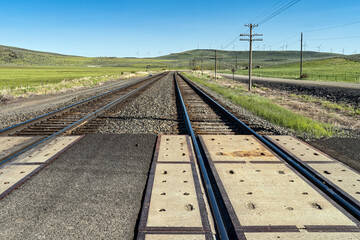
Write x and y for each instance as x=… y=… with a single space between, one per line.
x=213 y=175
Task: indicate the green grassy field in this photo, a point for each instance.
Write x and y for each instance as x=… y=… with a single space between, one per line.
x=24 y=80
x=335 y=69
x=22 y=68
x=22 y=76
x=269 y=111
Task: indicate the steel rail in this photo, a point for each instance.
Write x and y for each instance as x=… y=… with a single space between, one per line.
x=82 y=120
x=74 y=104
x=320 y=182
x=220 y=225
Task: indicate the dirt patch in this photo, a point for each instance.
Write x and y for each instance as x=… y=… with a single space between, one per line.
x=345 y=150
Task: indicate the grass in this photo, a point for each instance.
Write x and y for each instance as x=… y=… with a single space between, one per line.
x=269 y=111
x=342 y=107
x=334 y=70
x=17 y=76
x=20 y=80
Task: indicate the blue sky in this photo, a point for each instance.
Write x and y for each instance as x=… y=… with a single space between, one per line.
x=125 y=28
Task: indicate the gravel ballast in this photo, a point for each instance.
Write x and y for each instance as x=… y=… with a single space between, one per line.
x=154 y=111
x=24 y=109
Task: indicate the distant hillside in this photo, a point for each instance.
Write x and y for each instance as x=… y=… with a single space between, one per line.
x=228 y=58
x=354 y=57
x=19 y=56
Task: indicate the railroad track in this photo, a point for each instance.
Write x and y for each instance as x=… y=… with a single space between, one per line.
x=218 y=150
x=215 y=133
x=204 y=116
x=80 y=118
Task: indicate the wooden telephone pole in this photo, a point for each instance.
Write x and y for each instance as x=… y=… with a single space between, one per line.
x=236 y=61
x=215 y=63
x=202 y=69
x=216 y=59
x=250 y=39
x=301 y=56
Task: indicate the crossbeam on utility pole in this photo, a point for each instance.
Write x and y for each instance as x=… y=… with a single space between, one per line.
x=250 y=39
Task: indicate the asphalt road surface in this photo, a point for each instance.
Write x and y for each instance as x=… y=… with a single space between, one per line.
x=93 y=191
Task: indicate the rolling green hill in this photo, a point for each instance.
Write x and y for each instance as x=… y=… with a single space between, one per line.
x=24 y=57
x=227 y=59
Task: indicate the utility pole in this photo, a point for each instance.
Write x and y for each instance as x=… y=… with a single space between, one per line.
x=215 y=63
x=236 y=60
x=216 y=59
x=301 y=56
x=250 y=39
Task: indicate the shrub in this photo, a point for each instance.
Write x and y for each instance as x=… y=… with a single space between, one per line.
x=304 y=75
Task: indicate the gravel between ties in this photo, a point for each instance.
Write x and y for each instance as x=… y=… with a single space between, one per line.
x=11 y=114
x=154 y=111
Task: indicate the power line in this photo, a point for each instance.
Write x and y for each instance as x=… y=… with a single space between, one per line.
x=336 y=38
x=292 y=36
x=319 y=29
x=268 y=14
x=232 y=41
x=266 y=11
x=337 y=26
x=282 y=9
